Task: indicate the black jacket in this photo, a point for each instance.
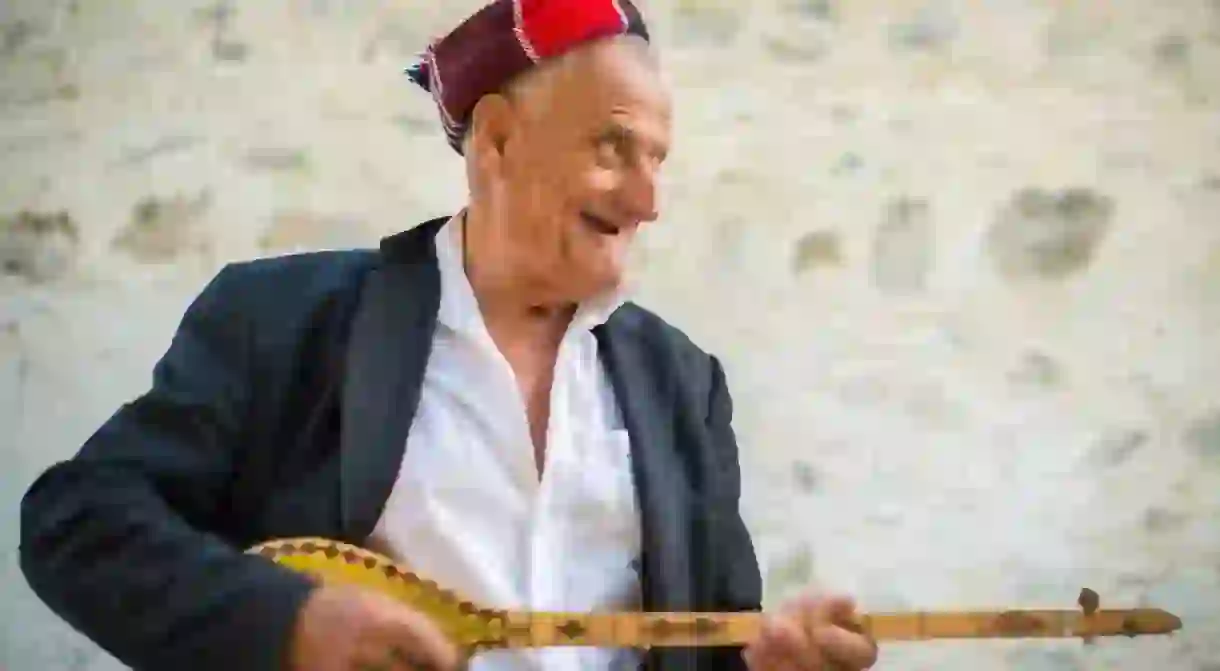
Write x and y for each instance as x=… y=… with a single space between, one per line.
x=281 y=409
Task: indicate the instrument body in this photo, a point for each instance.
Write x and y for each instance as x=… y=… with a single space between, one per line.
x=474 y=628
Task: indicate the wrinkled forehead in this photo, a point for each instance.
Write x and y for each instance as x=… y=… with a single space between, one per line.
x=614 y=77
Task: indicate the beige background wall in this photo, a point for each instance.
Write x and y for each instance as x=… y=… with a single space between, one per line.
x=962 y=259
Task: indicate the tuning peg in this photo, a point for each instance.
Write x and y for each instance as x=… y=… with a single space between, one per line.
x=1089 y=602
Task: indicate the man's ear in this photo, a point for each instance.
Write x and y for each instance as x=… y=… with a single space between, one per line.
x=491 y=122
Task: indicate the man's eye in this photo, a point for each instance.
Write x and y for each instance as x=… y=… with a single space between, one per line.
x=609 y=149
x=616 y=140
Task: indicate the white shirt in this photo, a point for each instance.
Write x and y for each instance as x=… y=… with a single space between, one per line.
x=468 y=509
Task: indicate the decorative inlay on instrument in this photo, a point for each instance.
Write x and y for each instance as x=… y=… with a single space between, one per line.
x=473 y=627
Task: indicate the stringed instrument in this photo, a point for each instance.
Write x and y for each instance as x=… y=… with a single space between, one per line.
x=473 y=628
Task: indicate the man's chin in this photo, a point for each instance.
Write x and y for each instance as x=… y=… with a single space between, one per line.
x=588 y=275
x=595 y=287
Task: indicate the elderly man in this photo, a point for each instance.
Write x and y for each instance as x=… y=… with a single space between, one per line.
x=475 y=399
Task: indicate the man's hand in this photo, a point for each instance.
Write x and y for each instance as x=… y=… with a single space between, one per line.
x=348 y=629
x=812 y=634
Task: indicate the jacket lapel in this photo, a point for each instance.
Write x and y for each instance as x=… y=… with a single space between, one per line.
x=646 y=395
x=387 y=354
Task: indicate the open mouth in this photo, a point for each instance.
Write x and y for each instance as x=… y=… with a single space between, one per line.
x=600 y=225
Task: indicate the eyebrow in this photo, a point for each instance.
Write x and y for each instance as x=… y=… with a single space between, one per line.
x=619 y=132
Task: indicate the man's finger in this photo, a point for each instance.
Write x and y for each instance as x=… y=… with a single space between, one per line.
x=423 y=645
x=760 y=660
x=402 y=660
x=785 y=640
x=832 y=608
x=846 y=648
x=393 y=658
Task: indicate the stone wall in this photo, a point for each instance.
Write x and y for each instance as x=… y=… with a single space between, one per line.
x=962 y=260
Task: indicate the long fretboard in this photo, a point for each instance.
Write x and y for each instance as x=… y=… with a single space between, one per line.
x=328 y=560
x=728 y=629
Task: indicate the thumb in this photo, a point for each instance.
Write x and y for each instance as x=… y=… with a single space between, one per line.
x=840 y=607
x=828 y=608
x=835 y=609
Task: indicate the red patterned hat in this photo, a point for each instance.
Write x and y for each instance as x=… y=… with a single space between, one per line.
x=505 y=38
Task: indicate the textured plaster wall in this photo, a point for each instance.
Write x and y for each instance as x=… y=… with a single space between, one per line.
x=962 y=260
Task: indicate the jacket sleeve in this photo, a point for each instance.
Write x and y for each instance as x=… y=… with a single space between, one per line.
x=739 y=585
x=122 y=541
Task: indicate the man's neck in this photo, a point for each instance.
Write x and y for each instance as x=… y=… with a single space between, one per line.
x=507 y=302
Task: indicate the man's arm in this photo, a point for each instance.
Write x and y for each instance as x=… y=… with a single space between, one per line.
x=114 y=540
x=739 y=586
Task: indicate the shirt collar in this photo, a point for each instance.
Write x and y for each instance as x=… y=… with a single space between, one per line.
x=459 y=309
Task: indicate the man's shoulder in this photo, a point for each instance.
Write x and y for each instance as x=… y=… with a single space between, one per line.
x=286 y=292
x=644 y=321
x=305 y=270
x=294 y=278
x=307 y=277
x=662 y=337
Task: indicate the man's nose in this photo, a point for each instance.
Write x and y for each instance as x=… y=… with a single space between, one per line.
x=639 y=192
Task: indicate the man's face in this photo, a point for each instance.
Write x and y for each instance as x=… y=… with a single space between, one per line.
x=577 y=174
